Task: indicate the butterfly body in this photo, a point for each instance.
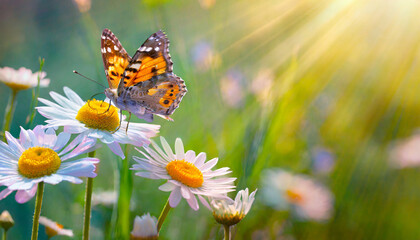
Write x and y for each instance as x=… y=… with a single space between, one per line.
x=145 y=84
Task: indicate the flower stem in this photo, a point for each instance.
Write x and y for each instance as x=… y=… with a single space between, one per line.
x=227 y=232
x=37 y=212
x=163 y=215
x=122 y=230
x=88 y=204
x=4 y=234
x=10 y=109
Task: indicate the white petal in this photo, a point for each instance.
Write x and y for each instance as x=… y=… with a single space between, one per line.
x=179 y=149
x=190 y=156
x=185 y=192
x=175 y=197
x=204 y=202
x=167 y=187
x=209 y=165
x=193 y=203
x=167 y=148
x=73 y=96
x=22 y=196
x=6 y=192
x=62 y=139
x=199 y=161
x=116 y=149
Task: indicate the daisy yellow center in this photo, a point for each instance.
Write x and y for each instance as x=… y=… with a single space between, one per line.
x=99 y=115
x=293 y=196
x=17 y=86
x=186 y=173
x=37 y=162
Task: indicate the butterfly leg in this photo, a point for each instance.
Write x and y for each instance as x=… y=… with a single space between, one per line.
x=120 y=122
x=109 y=106
x=128 y=122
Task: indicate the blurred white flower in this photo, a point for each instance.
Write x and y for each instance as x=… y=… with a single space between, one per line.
x=207 y=4
x=229 y=212
x=52 y=228
x=262 y=84
x=232 y=89
x=106 y=198
x=205 y=57
x=22 y=78
x=323 y=161
x=83 y=5
x=145 y=228
x=306 y=199
x=406 y=153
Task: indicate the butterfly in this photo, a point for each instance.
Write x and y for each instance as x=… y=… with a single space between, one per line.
x=143 y=84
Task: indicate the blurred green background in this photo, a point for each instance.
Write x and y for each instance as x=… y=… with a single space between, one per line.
x=268 y=82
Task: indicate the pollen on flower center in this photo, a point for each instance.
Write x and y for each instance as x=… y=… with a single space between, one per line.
x=186 y=173
x=293 y=196
x=99 y=115
x=37 y=162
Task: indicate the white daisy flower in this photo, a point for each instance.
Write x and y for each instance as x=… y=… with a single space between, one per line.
x=232 y=88
x=205 y=56
x=106 y=198
x=229 y=212
x=307 y=199
x=188 y=175
x=40 y=155
x=95 y=119
x=145 y=228
x=22 y=78
x=52 y=228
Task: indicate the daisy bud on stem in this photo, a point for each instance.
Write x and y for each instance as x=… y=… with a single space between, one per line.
x=6 y=222
x=229 y=212
x=144 y=228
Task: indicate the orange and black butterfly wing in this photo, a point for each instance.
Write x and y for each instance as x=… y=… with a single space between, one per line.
x=163 y=97
x=115 y=58
x=150 y=60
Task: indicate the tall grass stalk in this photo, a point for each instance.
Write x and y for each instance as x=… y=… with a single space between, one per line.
x=35 y=93
x=10 y=109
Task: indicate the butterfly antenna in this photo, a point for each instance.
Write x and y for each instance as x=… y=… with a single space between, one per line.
x=88 y=78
